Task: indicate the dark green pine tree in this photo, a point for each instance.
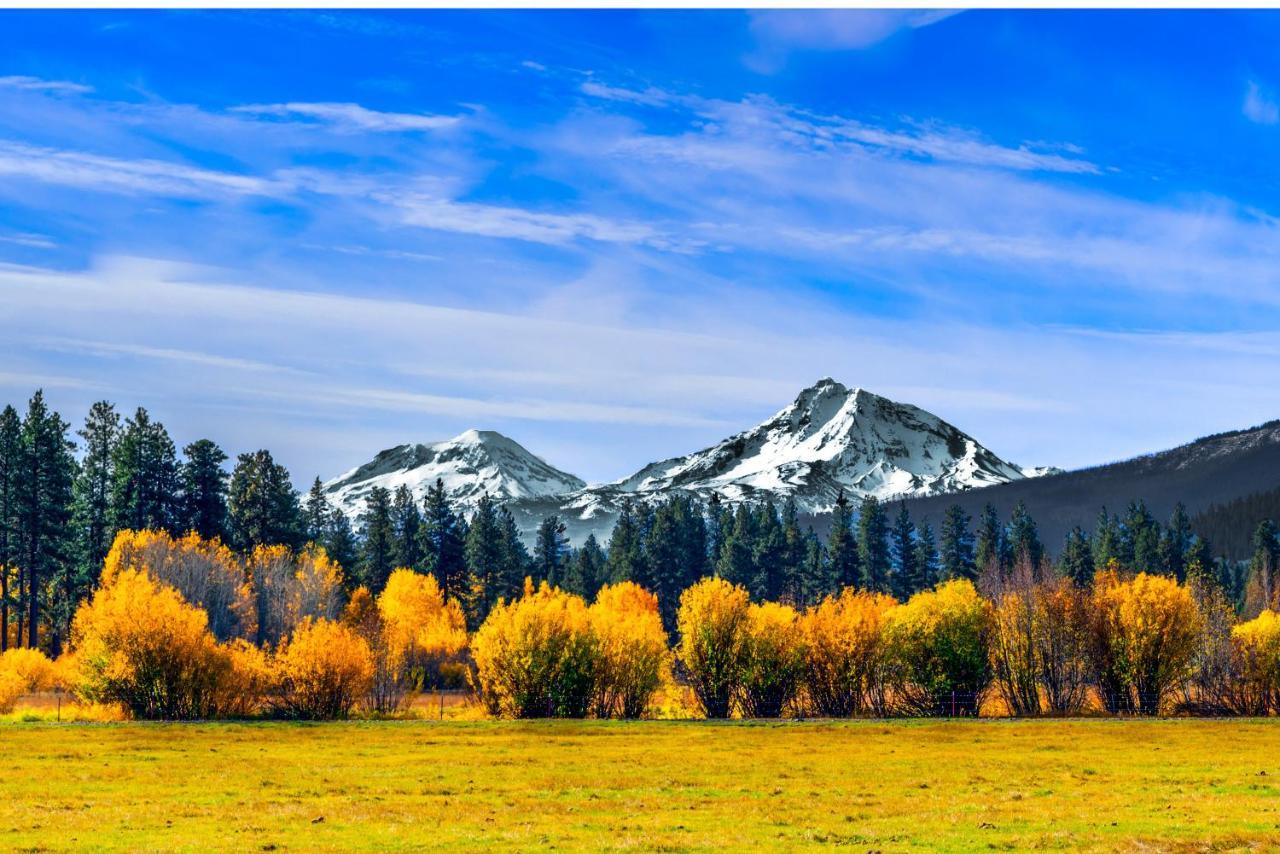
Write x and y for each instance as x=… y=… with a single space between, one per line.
x=737 y=563
x=1176 y=542
x=10 y=472
x=92 y=515
x=795 y=549
x=1140 y=539
x=516 y=563
x=1106 y=540
x=262 y=505
x=341 y=545
x=719 y=527
x=927 y=567
x=203 y=481
x=1024 y=537
x=406 y=523
x=989 y=550
x=769 y=555
x=47 y=475
x=665 y=573
x=551 y=552
x=873 y=546
x=145 y=492
x=817 y=581
x=902 y=538
x=842 y=547
x=1200 y=562
x=484 y=556
x=1077 y=557
x=316 y=513
x=692 y=525
x=957 y=545
x=585 y=573
x=625 y=561
x=442 y=537
x=377 y=552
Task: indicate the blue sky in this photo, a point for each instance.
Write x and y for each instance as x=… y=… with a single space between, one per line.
x=620 y=236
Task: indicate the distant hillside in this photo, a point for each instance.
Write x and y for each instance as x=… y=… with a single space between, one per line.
x=1215 y=470
x=1229 y=527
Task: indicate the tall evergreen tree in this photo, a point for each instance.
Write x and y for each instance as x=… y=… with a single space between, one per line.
x=957 y=545
x=44 y=511
x=377 y=554
x=873 y=545
x=817 y=578
x=485 y=556
x=406 y=524
x=316 y=513
x=903 y=540
x=1140 y=539
x=1176 y=542
x=92 y=516
x=585 y=574
x=1024 y=537
x=1106 y=539
x=842 y=546
x=145 y=492
x=769 y=554
x=262 y=505
x=551 y=552
x=989 y=552
x=442 y=537
x=666 y=572
x=737 y=555
x=516 y=563
x=795 y=548
x=10 y=472
x=1077 y=557
x=625 y=561
x=341 y=545
x=927 y=568
x=204 y=489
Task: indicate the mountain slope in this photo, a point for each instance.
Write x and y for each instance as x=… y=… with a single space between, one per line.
x=470 y=464
x=1212 y=470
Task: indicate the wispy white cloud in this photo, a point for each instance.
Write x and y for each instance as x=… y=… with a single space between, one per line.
x=34 y=241
x=1260 y=106
x=780 y=31
x=35 y=84
x=352 y=118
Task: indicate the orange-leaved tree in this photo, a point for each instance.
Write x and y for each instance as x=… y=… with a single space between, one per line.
x=846 y=670
x=289 y=587
x=938 y=641
x=321 y=671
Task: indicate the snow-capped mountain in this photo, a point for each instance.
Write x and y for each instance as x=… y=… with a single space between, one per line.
x=833 y=438
x=471 y=464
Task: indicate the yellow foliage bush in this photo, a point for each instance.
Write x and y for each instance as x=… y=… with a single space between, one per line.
x=712 y=622
x=845 y=667
x=321 y=671
x=537 y=656
x=938 y=643
x=139 y=643
x=204 y=572
x=773 y=660
x=1148 y=631
x=249 y=680
x=290 y=587
x=1255 y=649
x=423 y=631
x=32 y=666
x=634 y=656
x=12 y=687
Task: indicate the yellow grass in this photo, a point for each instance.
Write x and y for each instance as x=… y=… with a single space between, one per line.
x=1062 y=785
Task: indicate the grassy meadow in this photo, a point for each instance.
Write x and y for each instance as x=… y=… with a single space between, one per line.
x=1182 y=785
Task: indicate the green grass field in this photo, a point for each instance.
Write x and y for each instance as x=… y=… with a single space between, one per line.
x=1064 y=785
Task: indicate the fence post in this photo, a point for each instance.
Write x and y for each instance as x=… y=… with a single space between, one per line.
x=953 y=702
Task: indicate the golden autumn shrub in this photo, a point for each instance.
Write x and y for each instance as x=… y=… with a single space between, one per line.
x=289 y=587
x=712 y=622
x=773 y=660
x=1015 y=653
x=1256 y=652
x=845 y=670
x=248 y=682
x=1147 y=634
x=938 y=643
x=537 y=656
x=12 y=687
x=1062 y=619
x=633 y=654
x=204 y=572
x=31 y=666
x=140 y=644
x=423 y=631
x=321 y=671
